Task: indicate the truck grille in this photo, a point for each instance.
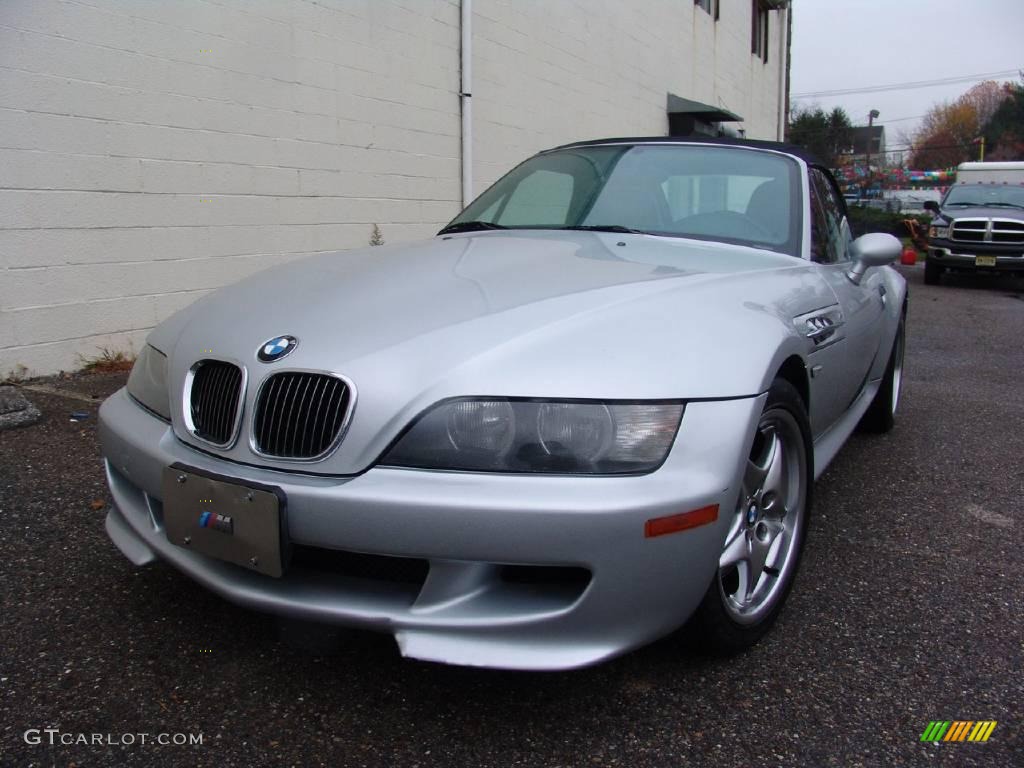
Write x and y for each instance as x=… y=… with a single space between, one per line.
x=214 y=400
x=970 y=230
x=1007 y=232
x=998 y=231
x=299 y=415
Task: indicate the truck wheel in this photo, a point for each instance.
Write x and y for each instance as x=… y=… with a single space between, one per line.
x=932 y=272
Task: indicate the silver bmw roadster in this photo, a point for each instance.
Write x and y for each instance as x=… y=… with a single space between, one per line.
x=588 y=412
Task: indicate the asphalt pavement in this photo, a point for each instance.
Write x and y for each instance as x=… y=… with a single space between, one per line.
x=908 y=608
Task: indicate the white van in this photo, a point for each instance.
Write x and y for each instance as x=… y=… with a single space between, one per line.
x=990 y=173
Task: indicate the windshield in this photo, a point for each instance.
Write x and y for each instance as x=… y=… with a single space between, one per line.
x=986 y=194
x=719 y=193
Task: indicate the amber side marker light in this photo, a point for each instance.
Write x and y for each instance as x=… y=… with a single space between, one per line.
x=660 y=526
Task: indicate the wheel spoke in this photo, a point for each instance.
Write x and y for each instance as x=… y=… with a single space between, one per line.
x=758 y=555
x=775 y=541
x=737 y=526
x=748 y=580
x=753 y=478
x=774 y=474
x=736 y=551
x=760 y=467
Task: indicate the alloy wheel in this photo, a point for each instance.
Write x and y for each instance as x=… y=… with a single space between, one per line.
x=897 y=367
x=762 y=546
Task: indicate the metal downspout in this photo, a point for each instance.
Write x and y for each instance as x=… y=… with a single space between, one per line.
x=784 y=30
x=466 y=98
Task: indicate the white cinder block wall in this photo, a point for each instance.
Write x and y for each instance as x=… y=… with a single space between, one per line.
x=547 y=73
x=151 y=151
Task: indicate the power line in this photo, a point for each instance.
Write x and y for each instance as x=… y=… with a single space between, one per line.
x=826 y=135
x=901 y=119
x=892 y=120
x=922 y=147
x=906 y=86
x=925 y=147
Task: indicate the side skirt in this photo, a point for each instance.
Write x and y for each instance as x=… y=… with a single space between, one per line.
x=827 y=445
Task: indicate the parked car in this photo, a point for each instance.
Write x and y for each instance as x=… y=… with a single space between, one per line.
x=890 y=205
x=912 y=201
x=591 y=409
x=979 y=224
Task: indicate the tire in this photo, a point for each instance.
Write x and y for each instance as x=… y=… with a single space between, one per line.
x=881 y=414
x=932 y=272
x=771 y=517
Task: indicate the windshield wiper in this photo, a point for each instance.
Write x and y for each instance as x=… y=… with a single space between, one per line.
x=972 y=204
x=470 y=226
x=1010 y=205
x=605 y=228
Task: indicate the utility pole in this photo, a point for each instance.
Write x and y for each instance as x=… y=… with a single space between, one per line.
x=871 y=120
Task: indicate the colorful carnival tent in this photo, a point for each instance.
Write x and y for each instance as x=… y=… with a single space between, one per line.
x=894 y=177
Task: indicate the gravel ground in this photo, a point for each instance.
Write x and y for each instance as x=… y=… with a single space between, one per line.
x=908 y=608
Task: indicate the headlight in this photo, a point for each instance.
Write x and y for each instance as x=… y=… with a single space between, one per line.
x=941 y=232
x=148 y=381
x=497 y=435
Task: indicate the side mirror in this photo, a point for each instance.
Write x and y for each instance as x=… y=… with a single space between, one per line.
x=931 y=205
x=872 y=250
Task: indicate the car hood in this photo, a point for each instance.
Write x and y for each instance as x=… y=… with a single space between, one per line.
x=528 y=314
x=982 y=212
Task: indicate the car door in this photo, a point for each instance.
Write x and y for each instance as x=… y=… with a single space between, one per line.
x=842 y=375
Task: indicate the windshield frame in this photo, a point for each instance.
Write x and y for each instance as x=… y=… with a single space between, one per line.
x=792 y=246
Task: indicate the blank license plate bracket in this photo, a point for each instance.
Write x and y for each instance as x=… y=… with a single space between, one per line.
x=240 y=523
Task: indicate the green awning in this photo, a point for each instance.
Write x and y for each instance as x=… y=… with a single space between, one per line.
x=677 y=105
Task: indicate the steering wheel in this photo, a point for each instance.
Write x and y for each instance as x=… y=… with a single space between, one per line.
x=766 y=234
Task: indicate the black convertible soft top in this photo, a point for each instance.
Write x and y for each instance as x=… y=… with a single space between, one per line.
x=777 y=146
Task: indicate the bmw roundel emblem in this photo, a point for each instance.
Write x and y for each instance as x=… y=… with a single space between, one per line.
x=274 y=349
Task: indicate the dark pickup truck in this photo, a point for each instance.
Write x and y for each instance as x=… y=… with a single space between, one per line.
x=977 y=227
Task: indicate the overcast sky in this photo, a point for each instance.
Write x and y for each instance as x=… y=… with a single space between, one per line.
x=859 y=43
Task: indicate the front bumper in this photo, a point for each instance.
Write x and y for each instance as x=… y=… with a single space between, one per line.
x=962 y=256
x=467 y=527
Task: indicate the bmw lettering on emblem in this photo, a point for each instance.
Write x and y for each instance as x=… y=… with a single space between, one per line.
x=276 y=348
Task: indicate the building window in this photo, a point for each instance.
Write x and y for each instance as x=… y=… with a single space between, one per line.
x=759 y=30
x=711 y=6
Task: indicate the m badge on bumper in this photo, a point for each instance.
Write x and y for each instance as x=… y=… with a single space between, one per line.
x=216 y=522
